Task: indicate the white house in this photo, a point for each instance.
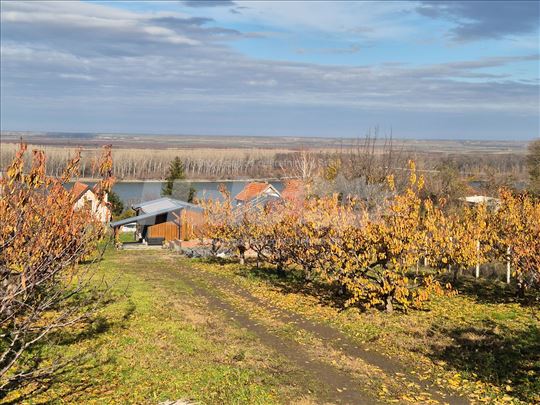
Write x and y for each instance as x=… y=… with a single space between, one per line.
x=85 y=196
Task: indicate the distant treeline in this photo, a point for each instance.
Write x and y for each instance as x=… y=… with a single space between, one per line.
x=234 y=163
x=145 y=164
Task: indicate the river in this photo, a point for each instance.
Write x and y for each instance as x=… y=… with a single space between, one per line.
x=134 y=192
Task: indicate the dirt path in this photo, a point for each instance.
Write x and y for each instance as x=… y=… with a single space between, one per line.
x=346 y=390
x=338 y=386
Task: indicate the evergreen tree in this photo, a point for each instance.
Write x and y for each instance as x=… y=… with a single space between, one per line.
x=192 y=195
x=117 y=206
x=176 y=172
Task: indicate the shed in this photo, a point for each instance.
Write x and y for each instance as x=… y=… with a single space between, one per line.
x=164 y=219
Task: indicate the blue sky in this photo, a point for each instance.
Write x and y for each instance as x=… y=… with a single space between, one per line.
x=445 y=69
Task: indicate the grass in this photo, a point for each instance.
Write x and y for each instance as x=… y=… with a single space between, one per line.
x=155 y=341
x=480 y=342
x=126 y=237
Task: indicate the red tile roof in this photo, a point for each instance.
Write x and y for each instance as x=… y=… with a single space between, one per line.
x=294 y=190
x=79 y=189
x=251 y=190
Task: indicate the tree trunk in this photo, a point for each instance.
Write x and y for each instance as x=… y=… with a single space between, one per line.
x=308 y=273
x=508 y=270
x=242 y=251
x=280 y=270
x=389 y=304
x=455 y=274
x=477 y=270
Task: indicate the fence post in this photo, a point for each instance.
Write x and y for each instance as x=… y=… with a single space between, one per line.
x=508 y=265
x=477 y=274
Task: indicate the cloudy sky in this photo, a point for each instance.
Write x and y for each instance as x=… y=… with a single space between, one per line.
x=445 y=69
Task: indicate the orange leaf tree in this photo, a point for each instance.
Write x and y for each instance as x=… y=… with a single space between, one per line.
x=42 y=240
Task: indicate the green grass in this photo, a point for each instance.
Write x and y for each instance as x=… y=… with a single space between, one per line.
x=481 y=342
x=127 y=237
x=155 y=341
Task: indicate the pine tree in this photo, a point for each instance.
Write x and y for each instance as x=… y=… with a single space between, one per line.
x=176 y=172
x=117 y=206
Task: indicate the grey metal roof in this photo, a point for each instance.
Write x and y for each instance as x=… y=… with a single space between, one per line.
x=163 y=204
x=141 y=217
x=156 y=207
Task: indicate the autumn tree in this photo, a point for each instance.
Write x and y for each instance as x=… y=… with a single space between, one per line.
x=518 y=238
x=447 y=184
x=258 y=225
x=42 y=241
x=369 y=252
x=311 y=229
x=375 y=256
x=533 y=164
x=459 y=239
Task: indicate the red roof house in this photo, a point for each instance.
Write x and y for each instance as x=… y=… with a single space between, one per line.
x=86 y=196
x=255 y=189
x=79 y=189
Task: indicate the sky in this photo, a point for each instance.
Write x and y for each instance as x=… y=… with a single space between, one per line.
x=419 y=69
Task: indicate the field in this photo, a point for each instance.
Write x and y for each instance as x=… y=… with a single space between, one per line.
x=146 y=141
x=220 y=333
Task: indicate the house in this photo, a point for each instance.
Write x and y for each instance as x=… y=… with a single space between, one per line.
x=256 y=190
x=294 y=191
x=85 y=196
x=164 y=219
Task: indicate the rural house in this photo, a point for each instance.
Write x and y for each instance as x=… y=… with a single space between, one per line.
x=164 y=219
x=86 y=197
x=256 y=190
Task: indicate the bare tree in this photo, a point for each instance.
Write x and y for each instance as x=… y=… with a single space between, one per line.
x=302 y=165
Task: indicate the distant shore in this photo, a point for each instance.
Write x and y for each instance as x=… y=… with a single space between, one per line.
x=95 y=180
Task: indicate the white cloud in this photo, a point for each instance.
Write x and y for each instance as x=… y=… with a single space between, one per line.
x=80 y=55
x=366 y=19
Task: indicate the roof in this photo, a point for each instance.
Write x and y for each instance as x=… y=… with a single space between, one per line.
x=164 y=203
x=154 y=208
x=252 y=190
x=79 y=189
x=294 y=190
x=141 y=217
